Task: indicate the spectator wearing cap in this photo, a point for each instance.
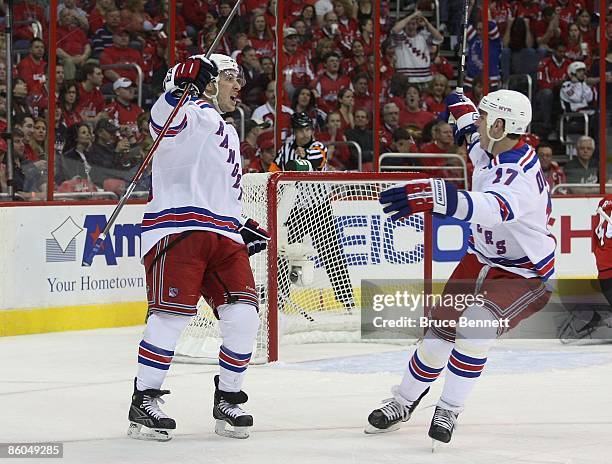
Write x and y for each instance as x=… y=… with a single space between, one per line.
x=120 y=53
x=267 y=111
x=362 y=135
x=108 y=155
x=260 y=35
x=123 y=111
x=253 y=128
x=330 y=83
x=79 y=15
x=256 y=80
x=103 y=38
x=413 y=114
x=72 y=44
x=33 y=68
x=68 y=101
x=264 y=162
x=297 y=70
x=91 y=101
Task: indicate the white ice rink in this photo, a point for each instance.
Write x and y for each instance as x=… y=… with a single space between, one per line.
x=547 y=403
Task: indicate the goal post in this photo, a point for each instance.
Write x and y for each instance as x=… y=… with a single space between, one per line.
x=328 y=234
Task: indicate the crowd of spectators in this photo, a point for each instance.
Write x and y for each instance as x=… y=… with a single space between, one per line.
x=101 y=128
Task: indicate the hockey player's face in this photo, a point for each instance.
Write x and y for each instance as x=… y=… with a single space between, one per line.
x=229 y=89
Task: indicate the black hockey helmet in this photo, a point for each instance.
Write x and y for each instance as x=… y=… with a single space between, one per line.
x=299 y=120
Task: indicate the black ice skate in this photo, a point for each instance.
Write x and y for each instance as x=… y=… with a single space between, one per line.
x=145 y=411
x=388 y=418
x=228 y=412
x=442 y=425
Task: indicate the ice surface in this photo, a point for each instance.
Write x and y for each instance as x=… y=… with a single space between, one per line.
x=538 y=402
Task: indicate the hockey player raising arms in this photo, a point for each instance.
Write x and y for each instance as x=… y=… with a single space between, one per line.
x=510 y=256
x=193 y=243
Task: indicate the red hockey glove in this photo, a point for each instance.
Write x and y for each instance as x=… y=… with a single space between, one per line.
x=417 y=196
x=254 y=236
x=464 y=113
x=197 y=70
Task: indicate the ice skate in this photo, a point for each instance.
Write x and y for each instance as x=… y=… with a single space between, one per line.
x=145 y=412
x=228 y=412
x=389 y=417
x=442 y=425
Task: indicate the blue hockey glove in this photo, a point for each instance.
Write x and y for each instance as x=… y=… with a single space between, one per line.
x=463 y=114
x=254 y=236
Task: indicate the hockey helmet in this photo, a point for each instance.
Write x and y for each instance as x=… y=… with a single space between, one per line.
x=574 y=67
x=229 y=66
x=511 y=106
x=300 y=120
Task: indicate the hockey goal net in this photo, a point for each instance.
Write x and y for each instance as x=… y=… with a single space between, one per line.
x=328 y=234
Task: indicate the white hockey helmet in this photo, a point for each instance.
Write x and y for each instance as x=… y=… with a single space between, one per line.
x=226 y=64
x=511 y=106
x=574 y=67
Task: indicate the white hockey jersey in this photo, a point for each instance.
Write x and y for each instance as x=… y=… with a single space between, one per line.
x=576 y=96
x=196 y=174
x=509 y=208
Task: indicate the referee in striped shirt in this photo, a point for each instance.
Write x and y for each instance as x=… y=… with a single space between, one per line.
x=312 y=213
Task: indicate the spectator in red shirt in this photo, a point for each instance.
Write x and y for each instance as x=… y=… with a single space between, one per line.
x=25 y=123
x=390 y=115
x=346 y=104
x=91 y=101
x=264 y=162
x=587 y=31
x=413 y=114
x=439 y=64
x=366 y=34
x=120 y=53
x=194 y=12
x=79 y=15
x=576 y=48
x=253 y=128
x=68 y=101
x=23 y=14
x=338 y=156
x=123 y=111
x=546 y=31
x=330 y=83
x=568 y=12
x=330 y=29
x=33 y=68
x=552 y=72
x=72 y=43
x=98 y=14
x=363 y=98
x=349 y=28
x=553 y=173
x=437 y=90
x=443 y=142
x=297 y=70
x=357 y=62
x=261 y=36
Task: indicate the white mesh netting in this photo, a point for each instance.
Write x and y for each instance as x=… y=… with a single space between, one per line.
x=331 y=234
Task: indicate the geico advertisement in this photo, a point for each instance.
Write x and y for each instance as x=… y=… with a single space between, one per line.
x=43 y=248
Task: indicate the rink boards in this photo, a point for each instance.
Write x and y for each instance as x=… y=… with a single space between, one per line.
x=45 y=288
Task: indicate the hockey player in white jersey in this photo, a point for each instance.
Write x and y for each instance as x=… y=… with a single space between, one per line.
x=195 y=242
x=510 y=256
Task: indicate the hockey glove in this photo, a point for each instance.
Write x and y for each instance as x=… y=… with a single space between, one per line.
x=417 y=196
x=255 y=238
x=464 y=113
x=197 y=70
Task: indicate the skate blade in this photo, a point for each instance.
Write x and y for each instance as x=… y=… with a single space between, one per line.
x=135 y=431
x=371 y=430
x=233 y=432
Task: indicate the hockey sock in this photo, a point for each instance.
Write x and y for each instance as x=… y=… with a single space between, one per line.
x=156 y=349
x=424 y=367
x=238 y=323
x=468 y=358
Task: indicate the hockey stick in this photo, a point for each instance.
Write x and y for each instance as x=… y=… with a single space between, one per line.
x=147 y=159
x=463 y=48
